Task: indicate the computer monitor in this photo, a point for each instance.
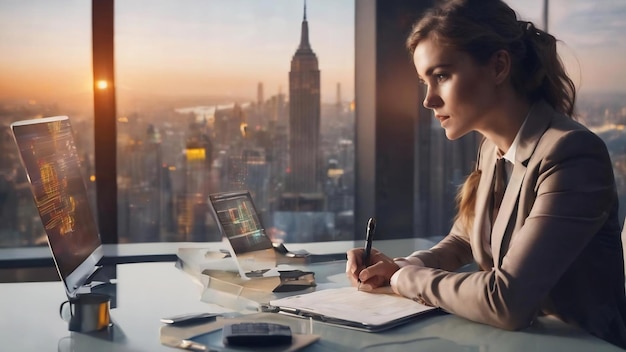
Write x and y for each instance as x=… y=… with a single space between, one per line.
x=48 y=153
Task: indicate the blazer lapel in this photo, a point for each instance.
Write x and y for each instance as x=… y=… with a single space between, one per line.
x=538 y=120
x=506 y=209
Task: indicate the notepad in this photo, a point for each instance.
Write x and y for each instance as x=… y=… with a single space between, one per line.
x=348 y=307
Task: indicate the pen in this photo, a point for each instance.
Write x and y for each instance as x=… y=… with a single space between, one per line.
x=369 y=237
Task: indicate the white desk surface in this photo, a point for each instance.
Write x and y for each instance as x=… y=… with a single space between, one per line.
x=148 y=291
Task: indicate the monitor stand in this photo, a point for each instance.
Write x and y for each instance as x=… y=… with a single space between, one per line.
x=102 y=280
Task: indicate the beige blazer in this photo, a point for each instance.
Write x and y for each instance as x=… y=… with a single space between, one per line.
x=555 y=245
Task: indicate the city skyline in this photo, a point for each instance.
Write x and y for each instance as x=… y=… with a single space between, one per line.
x=203 y=47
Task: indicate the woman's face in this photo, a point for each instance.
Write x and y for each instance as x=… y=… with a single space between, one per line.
x=460 y=92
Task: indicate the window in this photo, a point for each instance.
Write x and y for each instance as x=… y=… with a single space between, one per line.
x=593 y=49
x=203 y=99
x=208 y=95
x=46 y=71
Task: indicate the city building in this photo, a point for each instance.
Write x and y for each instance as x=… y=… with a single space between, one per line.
x=304 y=118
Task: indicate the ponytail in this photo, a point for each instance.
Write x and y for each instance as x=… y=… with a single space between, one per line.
x=540 y=74
x=466 y=200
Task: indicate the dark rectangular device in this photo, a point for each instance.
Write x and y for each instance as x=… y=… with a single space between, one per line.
x=52 y=163
x=256 y=334
x=189 y=319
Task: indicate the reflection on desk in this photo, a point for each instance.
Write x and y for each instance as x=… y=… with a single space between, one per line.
x=147 y=292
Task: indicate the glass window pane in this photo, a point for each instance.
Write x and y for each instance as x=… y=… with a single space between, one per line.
x=206 y=91
x=46 y=71
x=593 y=49
x=528 y=10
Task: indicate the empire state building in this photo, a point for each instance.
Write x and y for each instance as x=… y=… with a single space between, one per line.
x=304 y=118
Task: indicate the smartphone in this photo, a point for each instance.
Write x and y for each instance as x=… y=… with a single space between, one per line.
x=190 y=318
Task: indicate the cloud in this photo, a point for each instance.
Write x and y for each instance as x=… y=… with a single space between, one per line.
x=589 y=24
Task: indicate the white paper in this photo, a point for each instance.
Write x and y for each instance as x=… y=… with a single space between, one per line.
x=350 y=304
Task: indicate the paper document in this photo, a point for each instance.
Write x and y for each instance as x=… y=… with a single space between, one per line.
x=373 y=311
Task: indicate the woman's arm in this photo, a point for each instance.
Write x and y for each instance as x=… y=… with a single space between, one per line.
x=575 y=190
x=451 y=253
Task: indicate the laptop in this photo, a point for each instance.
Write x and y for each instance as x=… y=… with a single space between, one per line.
x=239 y=222
x=48 y=153
x=254 y=253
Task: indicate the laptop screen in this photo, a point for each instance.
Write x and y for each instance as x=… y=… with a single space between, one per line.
x=239 y=222
x=48 y=153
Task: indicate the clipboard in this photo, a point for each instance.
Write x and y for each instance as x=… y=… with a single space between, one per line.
x=350 y=308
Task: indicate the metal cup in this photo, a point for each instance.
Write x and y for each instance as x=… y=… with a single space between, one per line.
x=87 y=312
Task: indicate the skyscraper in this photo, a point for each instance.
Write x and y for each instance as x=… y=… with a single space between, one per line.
x=259 y=95
x=304 y=118
x=192 y=205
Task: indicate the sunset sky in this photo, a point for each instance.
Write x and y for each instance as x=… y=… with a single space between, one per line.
x=225 y=47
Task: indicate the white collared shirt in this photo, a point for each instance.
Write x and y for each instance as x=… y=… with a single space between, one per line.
x=510 y=154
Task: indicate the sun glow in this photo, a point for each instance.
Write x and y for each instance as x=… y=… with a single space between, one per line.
x=102 y=84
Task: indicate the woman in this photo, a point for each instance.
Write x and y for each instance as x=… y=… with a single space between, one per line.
x=554 y=246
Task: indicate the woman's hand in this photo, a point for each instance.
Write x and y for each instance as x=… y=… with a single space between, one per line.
x=376 y=275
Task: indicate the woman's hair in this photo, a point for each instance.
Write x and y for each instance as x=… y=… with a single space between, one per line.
x=481 y=28
x=466 y=200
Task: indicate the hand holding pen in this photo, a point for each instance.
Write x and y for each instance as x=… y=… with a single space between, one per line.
x=369 y=237
x=368 y=265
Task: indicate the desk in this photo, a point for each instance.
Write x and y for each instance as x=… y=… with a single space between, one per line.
x=149 y=291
